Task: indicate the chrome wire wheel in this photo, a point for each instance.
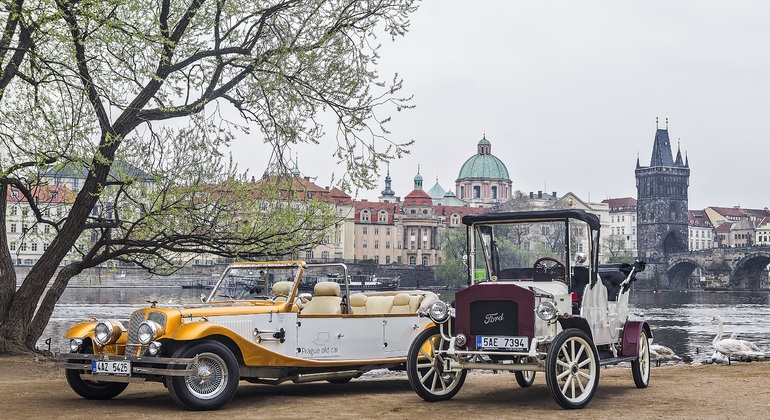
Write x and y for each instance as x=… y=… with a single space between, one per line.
x=572 y=369
x=211 y=379
x=425 y=367
x=215 y=379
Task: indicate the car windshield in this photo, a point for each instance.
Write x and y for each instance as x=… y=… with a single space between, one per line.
x=254 y=282
x=541 y=250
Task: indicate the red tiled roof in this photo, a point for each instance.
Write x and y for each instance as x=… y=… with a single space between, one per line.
x=624 y=204
x=417 y=197
x=697 y=218
x=42 y=194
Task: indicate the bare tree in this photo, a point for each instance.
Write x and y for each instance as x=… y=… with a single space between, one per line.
x=151 y=85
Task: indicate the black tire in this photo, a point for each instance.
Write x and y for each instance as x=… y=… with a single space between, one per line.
x=572 y=369
x=424 y=368
x=93 y=390
x=640 y=368
x=525 y=379
x=216 y=381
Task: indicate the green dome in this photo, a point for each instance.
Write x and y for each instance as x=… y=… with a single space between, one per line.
x=483 y=165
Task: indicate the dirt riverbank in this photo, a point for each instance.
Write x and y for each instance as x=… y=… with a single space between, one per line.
x=33 y=388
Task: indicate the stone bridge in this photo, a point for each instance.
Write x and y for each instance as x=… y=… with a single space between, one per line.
x=717 y=268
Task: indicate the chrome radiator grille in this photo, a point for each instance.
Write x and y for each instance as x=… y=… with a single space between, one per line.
x=132 y=343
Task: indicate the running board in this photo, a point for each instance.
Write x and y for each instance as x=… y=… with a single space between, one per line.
x=616 y=360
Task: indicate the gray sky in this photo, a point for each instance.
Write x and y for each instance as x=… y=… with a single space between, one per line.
x=567 y=92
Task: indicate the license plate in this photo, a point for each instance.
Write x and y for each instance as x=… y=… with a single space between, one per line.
x=502 y=343
x=103 y=367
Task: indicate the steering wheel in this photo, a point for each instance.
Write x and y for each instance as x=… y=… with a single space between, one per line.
x=548 y=265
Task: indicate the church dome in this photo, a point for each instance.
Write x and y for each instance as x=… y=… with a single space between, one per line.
x=483 y=165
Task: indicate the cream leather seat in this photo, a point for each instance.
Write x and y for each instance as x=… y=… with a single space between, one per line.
x=358 y=303
x=401 y=304
x=326 y=300
x=282 y=290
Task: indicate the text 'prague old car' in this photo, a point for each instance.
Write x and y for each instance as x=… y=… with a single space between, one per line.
x=538 y=302
x=254 y=325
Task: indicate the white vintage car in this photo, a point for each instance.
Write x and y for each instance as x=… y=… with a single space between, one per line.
x=538 y=301
x=254 y=325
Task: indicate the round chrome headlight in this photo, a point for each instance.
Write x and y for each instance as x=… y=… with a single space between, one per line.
x=438 y=311
x=546 y=310
x=75 y=345
x=154 y=348
x=107 y=332
x=148 y=331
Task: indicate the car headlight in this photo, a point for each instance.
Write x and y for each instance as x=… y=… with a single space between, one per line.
x=438 y=311
x=148 y=331
x=107 y=332
x=75 y=345
x=546 y=310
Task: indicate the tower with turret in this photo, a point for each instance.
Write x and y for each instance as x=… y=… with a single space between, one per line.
x=661 y=190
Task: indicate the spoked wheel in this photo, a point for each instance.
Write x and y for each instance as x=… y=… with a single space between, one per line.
x=425 y=368
x=572 y=369
x=526 y=378
x=215 y=381
x=92 y=390
x=640 y=368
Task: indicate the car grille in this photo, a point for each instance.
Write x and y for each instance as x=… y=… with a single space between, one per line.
x=132 y=343
x=495 y=317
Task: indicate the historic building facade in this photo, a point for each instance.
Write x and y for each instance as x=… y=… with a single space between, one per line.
x=662 y=223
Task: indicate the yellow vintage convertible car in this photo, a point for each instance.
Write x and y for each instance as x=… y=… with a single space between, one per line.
x=254 y=325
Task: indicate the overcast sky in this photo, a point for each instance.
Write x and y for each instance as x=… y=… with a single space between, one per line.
x=567 y=93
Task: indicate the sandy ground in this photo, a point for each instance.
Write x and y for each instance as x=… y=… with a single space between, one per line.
x=33 y=388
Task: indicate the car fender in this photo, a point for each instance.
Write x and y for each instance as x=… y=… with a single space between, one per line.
x=81 y=330
x=576 y=322
x=631 y=333
x=196 y=330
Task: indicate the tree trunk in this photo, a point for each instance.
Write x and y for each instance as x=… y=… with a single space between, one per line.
x=44 y=311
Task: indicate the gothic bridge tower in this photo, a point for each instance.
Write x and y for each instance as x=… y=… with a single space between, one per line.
x=661 y=190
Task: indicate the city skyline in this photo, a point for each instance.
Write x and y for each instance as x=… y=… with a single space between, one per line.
x=568 y=97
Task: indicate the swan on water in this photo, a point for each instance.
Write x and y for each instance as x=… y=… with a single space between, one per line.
x=732 y=347
x=660 y=353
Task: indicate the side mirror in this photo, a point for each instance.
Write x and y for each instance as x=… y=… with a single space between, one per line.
x=465 y=260
x=580 y=258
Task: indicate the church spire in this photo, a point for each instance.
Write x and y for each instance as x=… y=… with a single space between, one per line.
x=388 y=192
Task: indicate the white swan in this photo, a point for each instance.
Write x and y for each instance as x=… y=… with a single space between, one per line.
x=660 y=353
x=730 y=347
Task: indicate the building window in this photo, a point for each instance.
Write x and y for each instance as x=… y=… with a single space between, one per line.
x=387 y=244
x=309 y=254
x=383 y=216
x=14 y=210
x=13 y=245
x=23 y=247
x=476 y=191
x=376 y=231
x=325 y=255
x=13 y=227
x=400 y=260
x=387 y=231
x=412 y=260
x=34 y=246
x=494 y=193
x=376 y=244
x=387 y=259
x=424 y=260
x=365 y=230
x=364 y=243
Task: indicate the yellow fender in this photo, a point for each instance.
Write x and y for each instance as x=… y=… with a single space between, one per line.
x=81 y=330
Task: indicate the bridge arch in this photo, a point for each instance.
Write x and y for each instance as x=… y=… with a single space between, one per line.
x=751 y=272
x=673 y=242
x=680 y=273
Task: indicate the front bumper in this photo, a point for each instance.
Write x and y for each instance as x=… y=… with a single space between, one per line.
x=140 y=366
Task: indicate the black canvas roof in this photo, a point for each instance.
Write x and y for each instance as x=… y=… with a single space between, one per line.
x=540 y=215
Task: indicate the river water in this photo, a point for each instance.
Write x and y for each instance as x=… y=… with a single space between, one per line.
x=679 y=320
